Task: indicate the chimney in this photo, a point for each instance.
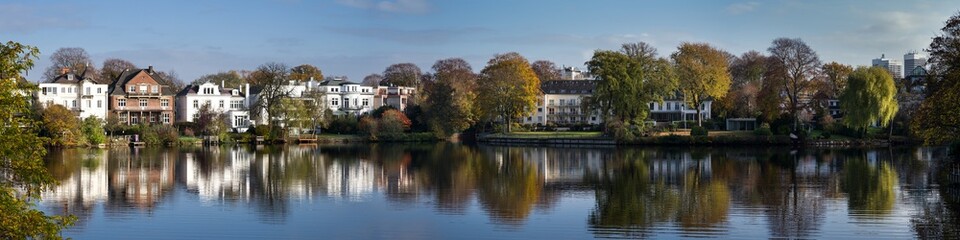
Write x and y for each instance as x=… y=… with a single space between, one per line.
x=246 y=99
x=222 y=85
x=64 y=70
x=150 y=69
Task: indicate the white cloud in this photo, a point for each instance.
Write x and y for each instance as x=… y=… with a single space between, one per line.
x=739 y=8
x=393 y=6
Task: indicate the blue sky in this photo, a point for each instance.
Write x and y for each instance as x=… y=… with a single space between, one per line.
x=359 y=37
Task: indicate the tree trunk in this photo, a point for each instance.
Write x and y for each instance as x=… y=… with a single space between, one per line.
x=699 y=117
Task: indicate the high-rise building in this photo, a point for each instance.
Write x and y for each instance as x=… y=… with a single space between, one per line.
x=913 y=60
x=894 y=66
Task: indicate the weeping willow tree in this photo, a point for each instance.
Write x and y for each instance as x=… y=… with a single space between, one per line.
x=870 y=96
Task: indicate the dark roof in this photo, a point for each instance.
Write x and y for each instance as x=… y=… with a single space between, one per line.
x=568 y=86
x=193 y=89
x=116 y=88
x=71 y=77
x=335 y=82
x=254 y=90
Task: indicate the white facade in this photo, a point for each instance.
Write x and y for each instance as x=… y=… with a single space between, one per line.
x=232 y=102
x=562 y=109
x=83 y=96
x=677 y=110
x=894 y=66
x=345 y=97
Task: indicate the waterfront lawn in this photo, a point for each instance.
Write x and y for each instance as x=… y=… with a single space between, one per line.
x=547 y=135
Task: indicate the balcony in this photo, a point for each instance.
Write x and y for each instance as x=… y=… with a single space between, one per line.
x=144 y=95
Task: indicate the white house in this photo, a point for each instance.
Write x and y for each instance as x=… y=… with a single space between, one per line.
x=676 y=109
x=345 y=97
x=79 y=93
x=230 y=101
x=561 y=103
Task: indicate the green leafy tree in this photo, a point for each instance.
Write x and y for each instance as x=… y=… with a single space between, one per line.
x=450 y=104
x=870 y=96
x=702 y=70
x=629 y=80
x=22 y=173
x=938 y=119
x=228 y=79
x=62 y=126
x=92 y=128
x=508 y=88
x=306 y=72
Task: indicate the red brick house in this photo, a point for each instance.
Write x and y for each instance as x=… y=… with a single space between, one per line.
x=138 y=96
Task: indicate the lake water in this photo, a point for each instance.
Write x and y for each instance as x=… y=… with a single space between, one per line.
x=450 y=191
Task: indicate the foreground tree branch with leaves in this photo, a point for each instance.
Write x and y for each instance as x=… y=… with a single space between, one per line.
x=23 y=175
x=938 y=119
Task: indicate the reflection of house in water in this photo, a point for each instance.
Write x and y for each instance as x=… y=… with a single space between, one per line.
x=564 y=165
x=671 y=166
x=350 y=179
x=142 y=179
x=225 y=178
x=87 y=185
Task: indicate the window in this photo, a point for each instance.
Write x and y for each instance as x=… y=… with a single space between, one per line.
x=196 y=104
x=143 y=102
x=365 y=102
x=551 y=102
x=89 y=104
x=121 y=102
x=134 y=120
x=165 y=118
x=335 y=102
x=143 y=88
x=164 y=102
x=196 y=117
x=73 y=103
x=99 y=90
x=123 y=117
x=651 y=105
x=660 y=107
x=562 y=102
x=153 y=119
x=539 y=109
x=99 y=103
x=87 y=90
x=237 y=104
x=208 y=103
x=221 y=103
x=155 y=89
x=70 y=90
x=133 y=89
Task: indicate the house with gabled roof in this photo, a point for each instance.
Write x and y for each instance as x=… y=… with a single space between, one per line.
x=138 y=97
x=81 y=93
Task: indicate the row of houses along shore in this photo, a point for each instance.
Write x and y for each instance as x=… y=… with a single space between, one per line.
x=138 y=96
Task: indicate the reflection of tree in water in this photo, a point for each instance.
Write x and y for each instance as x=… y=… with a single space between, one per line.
x=770 y=179
x=508 y=186
x=703 y=204
x=869 y=187
x=626 y=199
x=939 y=217
x=448 y=172
x=279 y=175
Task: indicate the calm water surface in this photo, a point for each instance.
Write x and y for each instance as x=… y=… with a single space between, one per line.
x=448 y=191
